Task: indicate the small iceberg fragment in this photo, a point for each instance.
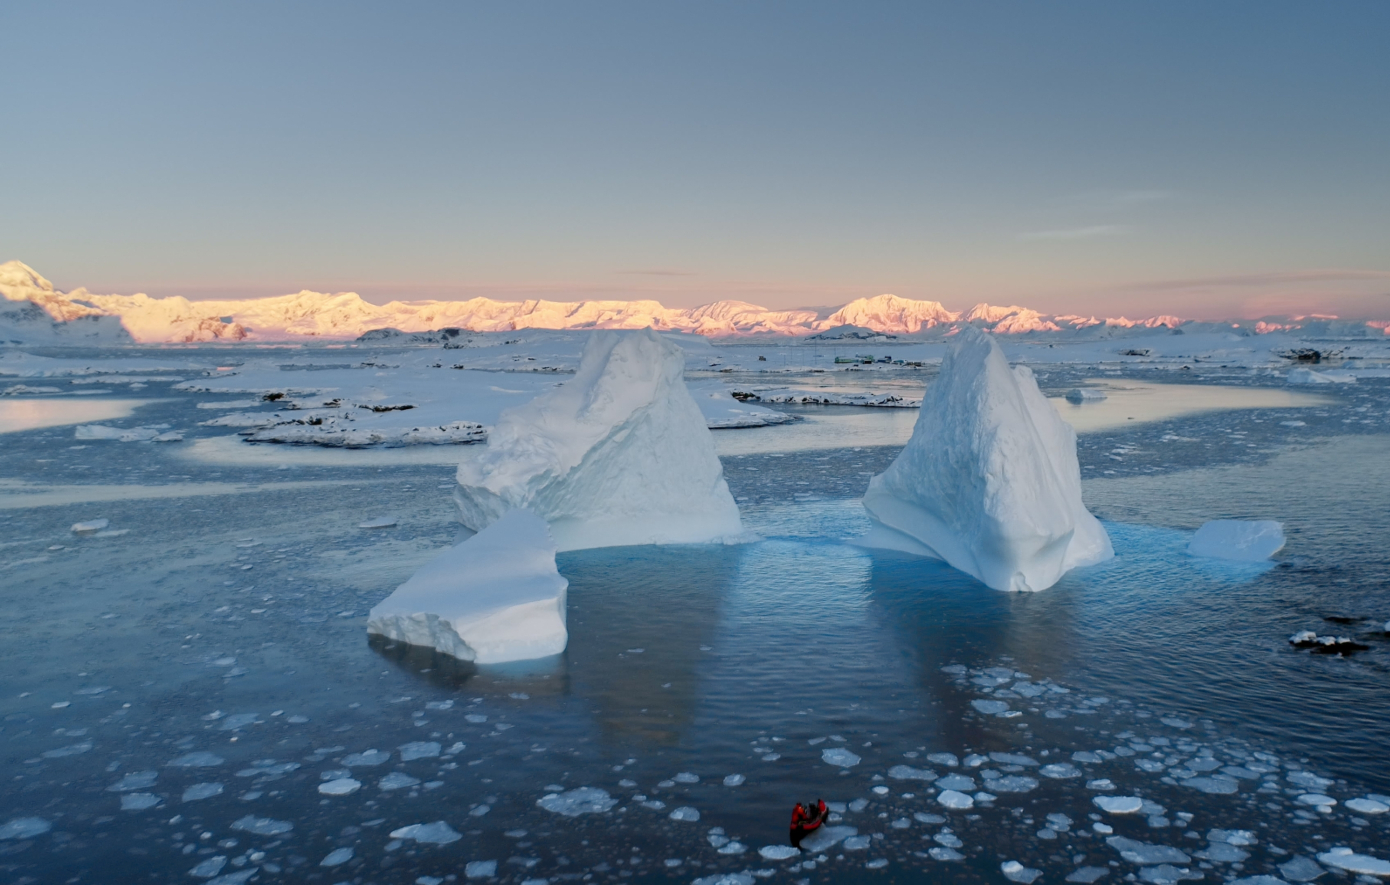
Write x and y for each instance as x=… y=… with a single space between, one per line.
x=1308 y=376
x=618 y=455
x=990 y=480
x=1080 y=395
x=954 y=799
x=494 y=598
x=437 y=833
x=778 y=852
x=262 y=826
x=825 y=838
x=337 y=857
x=24 y=828
x=1017 y=872
x=1119 y=804
x=908 y=773
x=839 y=756
x=584 y=800
x=90 y=526
x=201 y=791
x=1239 y=540
x=139 y=801
x=1362 y=864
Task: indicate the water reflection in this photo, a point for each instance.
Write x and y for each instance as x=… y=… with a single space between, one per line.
x=34 y=414
x=1136 y=402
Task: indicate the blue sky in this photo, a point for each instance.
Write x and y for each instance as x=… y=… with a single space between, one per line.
x=1197 y=158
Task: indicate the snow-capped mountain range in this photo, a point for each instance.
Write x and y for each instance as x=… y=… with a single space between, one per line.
x=38 y=312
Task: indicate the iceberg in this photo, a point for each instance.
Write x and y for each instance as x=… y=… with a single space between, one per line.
x=494 y=598
x=1242 y=540
x=619 y=455
x=989 y=481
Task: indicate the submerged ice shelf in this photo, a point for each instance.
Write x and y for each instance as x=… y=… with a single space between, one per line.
x=989 y=481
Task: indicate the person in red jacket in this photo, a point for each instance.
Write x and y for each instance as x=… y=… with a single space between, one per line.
x=805 y=819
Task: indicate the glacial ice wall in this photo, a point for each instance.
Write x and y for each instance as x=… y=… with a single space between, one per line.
x=989 y=481
x=494 y=598
x=618 y=455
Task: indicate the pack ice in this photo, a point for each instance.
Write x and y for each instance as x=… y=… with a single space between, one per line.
x=496 y=597
x=989 y=481
x=618 y=455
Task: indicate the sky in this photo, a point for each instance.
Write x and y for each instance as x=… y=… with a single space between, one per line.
x=1209 y=160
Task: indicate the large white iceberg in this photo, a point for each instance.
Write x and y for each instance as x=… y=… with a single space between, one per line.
x=494 y=598
x=989 y=481
x=618 y=455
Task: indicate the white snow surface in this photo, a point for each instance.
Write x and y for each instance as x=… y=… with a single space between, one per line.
x=1242 y=540
x=989 y=481
x=619 y=455
x=494 y=598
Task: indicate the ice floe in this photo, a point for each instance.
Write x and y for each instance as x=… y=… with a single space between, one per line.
x=437 y=833
x=494 y=598
x=584 y=800
x=618 y=455
x=990 y=480
x=24 y=828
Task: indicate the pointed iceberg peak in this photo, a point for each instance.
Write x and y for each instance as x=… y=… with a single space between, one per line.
x=618 y=455
x=989 y=481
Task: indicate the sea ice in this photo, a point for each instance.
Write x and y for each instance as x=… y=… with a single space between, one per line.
x=91 y=525
x=24 y=828
x=1146 y=854
x=496 y=597
x=419 y=750
x=990 y=480
x=907 y=773
x=210 y=867
x=618 y=455
x=1017 y=872
x=1308 y=376
x=262 y=826
x=336 y=857
x=1346 y=859
x=136 y=780
x=1241 y=540
x=954 y=799
x=201 y=791
x=578 y=801
x=1367 y=806
x=825 y=838
x=199 y=759
x=480 y=869
x=139 y=801
x=778 y=852
x=685 y=813
x=437 y=833
x=839 y=756
x=1119 y=804
x=396 y=780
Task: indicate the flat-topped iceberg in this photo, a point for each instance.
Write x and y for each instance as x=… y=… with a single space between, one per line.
x=989 y=481
x=618 y=455
x=496 y=597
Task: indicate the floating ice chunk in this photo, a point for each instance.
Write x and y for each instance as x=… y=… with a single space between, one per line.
x=1014 y=759
x=1087 y=875
x=494 y=598
x=856 y=843
x=989 y=481
x=480 y=869
x=954 y=799
x=237 y=878
x=1363 y=864
x=1119 y=804
x=1308 y=780
x=91 y=525
x=947 y=759
x=726 y=879
x=1167 y=874
x=1316 y=799
x=1233 y=837
x=686 y=777
x=237 y=721
x=1242 y=540
x=956 y=782
x=620 y=454
x=419 y=750
x=733 y=848
x=136 y=780
x=1221 y=852
x=262 y=826
x=336 y=857
x=202 y=791
x=199 y=759
x=378 y=522
x=1367 y=806
x=1084 y=395
x=990 y=708
x=583 y=800
x=734 y=780
x=1308 y=376
x=1012 y=784
x=839 y=756
x=1219 y=784
x=139 y=801
x=437 y=833
x=209 y=867
x=396 y=780
x=778 y=852
x=908 y=773
x=945 y=854
x=1145 y=854
x=1300 y=869
x=685 y=813
x=825 y=838
x=24 y=828
x=1017 y=872
x=1060 y=770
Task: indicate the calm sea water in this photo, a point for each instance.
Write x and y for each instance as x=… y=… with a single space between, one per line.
x=211 y=643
